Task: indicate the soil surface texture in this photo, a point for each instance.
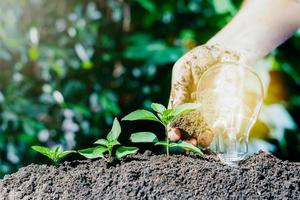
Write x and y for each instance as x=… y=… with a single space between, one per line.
x=148 y=176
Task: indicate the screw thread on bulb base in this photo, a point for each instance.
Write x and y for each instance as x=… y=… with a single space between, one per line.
x=231 y=159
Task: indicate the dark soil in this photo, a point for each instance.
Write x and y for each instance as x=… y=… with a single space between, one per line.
x=146 y=176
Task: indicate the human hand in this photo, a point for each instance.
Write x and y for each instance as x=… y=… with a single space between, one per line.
x=257 y=28
x=187 y=71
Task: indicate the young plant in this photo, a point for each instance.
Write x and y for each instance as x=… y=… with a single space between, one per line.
x=164 y=116
x=107 y=145
x=54 y=155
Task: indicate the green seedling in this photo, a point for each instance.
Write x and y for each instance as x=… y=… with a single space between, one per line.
x=164 y=116
x=54 y=155
x=106 y=146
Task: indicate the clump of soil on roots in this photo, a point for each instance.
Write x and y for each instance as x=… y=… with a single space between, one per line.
x=148 y=176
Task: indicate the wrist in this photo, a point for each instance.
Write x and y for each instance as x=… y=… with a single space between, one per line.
x=259 y=27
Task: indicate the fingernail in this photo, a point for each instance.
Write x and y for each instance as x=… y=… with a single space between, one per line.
x=174 y=134
x=193 y=141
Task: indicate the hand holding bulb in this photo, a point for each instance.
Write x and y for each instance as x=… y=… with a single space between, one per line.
x=258 y=27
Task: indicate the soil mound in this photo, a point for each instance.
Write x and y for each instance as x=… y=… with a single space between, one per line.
x=148 y=176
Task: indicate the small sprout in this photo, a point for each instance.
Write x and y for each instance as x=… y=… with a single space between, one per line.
x=164 y=116
x=107 y=145
x=54 y=155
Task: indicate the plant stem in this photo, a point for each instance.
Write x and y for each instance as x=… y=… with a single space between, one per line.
x=109 y=153
x=55 y=161
x=167 y=139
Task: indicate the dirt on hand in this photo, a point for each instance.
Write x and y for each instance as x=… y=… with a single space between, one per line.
x=192 y=125
x=148 y=176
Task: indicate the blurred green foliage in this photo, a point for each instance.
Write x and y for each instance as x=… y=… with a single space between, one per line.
x=69 y=67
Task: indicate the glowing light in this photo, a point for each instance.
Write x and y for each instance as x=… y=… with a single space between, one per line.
x=231 y=96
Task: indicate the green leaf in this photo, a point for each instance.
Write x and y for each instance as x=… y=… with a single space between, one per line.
x=167 y=112
x=160 y=116
x=113 y=143
x=88 y=153
x=184 y=108
x=99 y=150
x=63 y=154
x=103 y=142
x=163 y=143
x=143 y=137
x=123 y=151
x=33 y=53
x=188 y=146
x=147 y=4
x=115 y=131
x=141 y=115
x=158 y=107
x=57 y=150
x=91 y=153
x=222 y=7
x=43 y=150
x=87 y=64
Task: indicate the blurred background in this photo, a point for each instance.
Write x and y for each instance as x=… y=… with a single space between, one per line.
x=67 y=68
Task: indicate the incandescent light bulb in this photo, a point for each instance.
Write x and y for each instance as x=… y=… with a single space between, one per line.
x=231 y=96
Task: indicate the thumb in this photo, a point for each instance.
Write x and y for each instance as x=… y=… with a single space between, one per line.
x=181 y=84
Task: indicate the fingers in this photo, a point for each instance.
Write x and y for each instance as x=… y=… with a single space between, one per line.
x=205 y=138
x=174 y=134
x=193 y=125
x=192 y=141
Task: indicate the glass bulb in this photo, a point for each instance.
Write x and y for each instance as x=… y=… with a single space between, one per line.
x=231 y=96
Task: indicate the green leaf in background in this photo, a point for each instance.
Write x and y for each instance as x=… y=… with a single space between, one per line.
x=115 y=131
x=141 y=115
x=123 y=151
x=187 y=146
x=108 y=101
x=156 y=52
x=33 y=53
x=158 y=107
x=87 y=64
x=143 y=137
x=80 y=109
x=164 y=54
x=187 y=34
x=224 y=6
x=147 y=4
